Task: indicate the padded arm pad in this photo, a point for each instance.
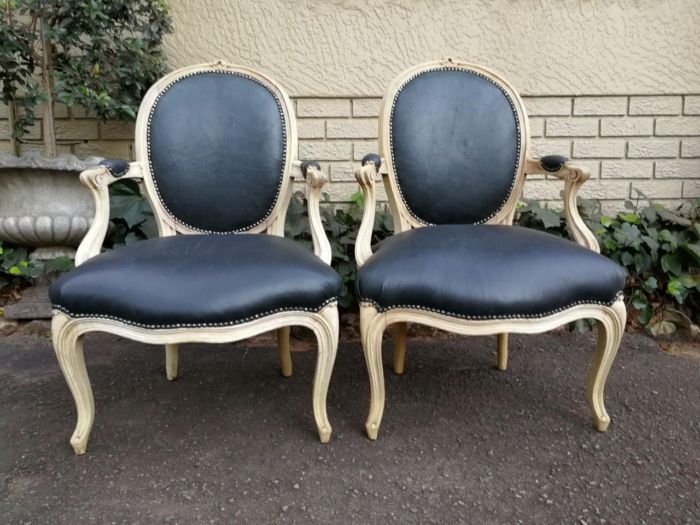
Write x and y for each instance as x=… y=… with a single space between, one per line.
x=309 y=164
x=553 y=163
x=374 y=158
x=116 y=167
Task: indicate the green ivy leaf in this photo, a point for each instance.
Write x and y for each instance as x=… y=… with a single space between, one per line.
x=629 y=217
x=649 y=214
x=671 y=263
x=645 y=315
x=127 y=203
x=549 y=218
x=610 y=245
x=627 y=258
x=666 y=235
x=639 y=301
x=676 y=289
x=628 y=235
x=59 y=264
x=650 y=242
x=650 y=284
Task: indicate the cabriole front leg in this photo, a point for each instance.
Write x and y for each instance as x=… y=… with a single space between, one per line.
x=68 y=345
x=326 y=329
x=372 y=330
x=611 y=327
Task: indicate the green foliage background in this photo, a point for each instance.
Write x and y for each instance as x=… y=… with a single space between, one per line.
x=103 y=54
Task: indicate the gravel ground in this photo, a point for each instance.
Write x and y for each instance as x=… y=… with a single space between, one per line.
x=231 y=441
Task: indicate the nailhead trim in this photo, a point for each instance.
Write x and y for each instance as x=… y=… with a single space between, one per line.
x=371 y=302
x=391 y=138
x=284 y=152
x=195 y=325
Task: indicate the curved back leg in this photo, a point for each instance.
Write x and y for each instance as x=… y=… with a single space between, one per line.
x=502 y=343
x=68 y=345
x=171 y=355
x=399 y=348
x=283 y=351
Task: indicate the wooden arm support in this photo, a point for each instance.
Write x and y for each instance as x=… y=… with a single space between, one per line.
x=315 y=179
x=574 y=178
x=97 y=181
x=366 y=177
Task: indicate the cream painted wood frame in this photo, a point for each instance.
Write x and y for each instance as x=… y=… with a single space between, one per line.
x=610 y=318
x=68 y=331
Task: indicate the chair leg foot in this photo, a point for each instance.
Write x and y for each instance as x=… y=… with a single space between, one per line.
x=372 y=430
x=285 y=355
x=372 y=331
x=171 y=358
x=68 y=346
x=502 y=343
x=400 y=348
x=610 y=331
x=327 y=335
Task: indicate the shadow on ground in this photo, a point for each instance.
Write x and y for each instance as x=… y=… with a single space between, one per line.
x=233 y=441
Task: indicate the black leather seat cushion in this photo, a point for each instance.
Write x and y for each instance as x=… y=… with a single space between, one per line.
x=197 y=279
x=486 y=271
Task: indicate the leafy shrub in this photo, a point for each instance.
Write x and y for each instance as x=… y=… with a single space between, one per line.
x=17 y=267
x=101 y=55
x=660 y=250
x=131 y=218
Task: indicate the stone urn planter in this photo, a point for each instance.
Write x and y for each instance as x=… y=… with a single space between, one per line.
x=43 y=203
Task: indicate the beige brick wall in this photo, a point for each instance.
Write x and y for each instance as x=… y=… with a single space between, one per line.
x=645 y=143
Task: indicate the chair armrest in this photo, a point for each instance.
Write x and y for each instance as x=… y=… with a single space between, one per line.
x=116 y=167
x=97 y=181
x=574 y=178
x=315 y=179
x=366 y=177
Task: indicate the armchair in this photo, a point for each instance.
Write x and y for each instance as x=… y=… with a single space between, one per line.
x=215 y=148
x=453 y=138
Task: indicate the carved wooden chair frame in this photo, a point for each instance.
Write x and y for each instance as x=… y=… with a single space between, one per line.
x=610 y=318
x=68 y=331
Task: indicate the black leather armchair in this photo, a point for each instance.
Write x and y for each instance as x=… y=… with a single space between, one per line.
x=215 y=147
x=453 y=138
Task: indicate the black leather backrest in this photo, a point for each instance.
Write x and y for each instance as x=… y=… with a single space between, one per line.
x=216 y=150
x=455 y=146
